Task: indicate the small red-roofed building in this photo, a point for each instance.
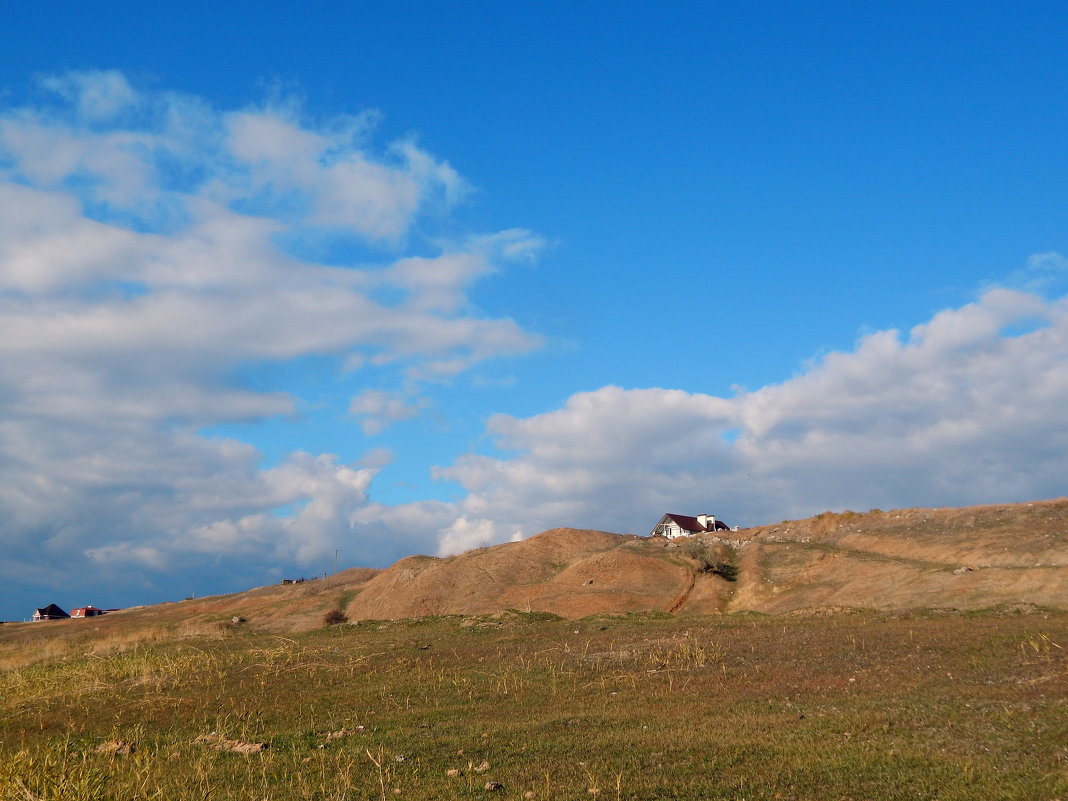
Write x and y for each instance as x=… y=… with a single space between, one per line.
x=87 y=611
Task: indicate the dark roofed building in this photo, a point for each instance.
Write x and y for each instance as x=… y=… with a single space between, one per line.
x=672 y=526
x=50 y=612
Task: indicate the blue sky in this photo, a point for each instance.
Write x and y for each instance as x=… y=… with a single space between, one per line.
x=278 y=282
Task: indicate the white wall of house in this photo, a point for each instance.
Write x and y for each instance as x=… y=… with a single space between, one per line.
x=670 y=529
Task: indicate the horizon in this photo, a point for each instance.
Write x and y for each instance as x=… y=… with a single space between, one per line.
x=291 y=285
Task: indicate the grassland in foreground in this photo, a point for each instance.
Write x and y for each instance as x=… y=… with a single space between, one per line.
x=853 y=706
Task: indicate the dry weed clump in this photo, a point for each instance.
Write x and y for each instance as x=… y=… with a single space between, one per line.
x=1038 y=645
x=335 y=617
x=220 y=743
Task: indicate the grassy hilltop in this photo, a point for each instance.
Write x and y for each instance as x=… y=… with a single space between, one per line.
x=714 y=701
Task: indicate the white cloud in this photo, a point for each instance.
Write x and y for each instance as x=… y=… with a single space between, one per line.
x=325 y=178
x=1044 y=272
x=464 y=534
x=143 y=267
x=962 y=410
x=377 y=410
x=95 y=95
x=440 y=284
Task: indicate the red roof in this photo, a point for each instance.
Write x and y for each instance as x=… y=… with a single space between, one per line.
x=87 y=611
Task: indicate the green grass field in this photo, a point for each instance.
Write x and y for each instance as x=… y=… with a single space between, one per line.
x=851 y=706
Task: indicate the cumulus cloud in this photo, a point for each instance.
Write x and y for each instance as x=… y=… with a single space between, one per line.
x=152 y=249
x=969 y=407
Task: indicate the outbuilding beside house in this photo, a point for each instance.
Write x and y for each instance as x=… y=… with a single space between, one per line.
x=88 y=611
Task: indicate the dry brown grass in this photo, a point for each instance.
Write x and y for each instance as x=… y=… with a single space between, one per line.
x=941 y=707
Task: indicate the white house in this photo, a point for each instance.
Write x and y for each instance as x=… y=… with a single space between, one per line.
x=672 y=526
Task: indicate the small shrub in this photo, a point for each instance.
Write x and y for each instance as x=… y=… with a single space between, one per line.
x=700 y=553
x=725 y=570
x=708 y=561
x=335 y=617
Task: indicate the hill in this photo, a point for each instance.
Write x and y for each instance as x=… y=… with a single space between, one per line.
x=913 y=558
x=971 y=558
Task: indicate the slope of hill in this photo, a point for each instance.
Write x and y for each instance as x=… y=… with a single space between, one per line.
x=914 y=558
x=949 y=558
x=970 y=558
x=568 y=572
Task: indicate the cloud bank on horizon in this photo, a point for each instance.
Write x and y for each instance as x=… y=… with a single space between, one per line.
x=967 y=408
x=163 y=262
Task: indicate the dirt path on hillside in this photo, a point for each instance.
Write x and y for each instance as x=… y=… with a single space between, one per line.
x=675 y=607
